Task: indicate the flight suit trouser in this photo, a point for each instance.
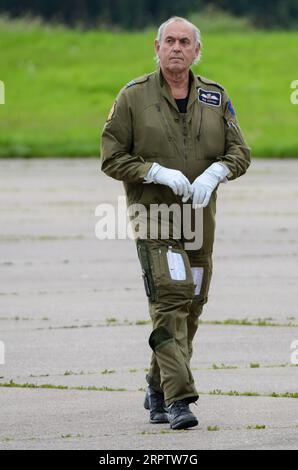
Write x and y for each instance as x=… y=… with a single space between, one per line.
x=175 y=304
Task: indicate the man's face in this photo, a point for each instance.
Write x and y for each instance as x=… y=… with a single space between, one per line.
x=177 y=48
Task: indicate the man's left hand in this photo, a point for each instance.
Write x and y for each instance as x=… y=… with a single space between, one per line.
x=204 y=185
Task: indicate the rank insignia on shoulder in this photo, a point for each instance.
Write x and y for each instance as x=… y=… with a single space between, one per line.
x=212 y=98
x=111 y=113
x=131 y=83
x=230 y=108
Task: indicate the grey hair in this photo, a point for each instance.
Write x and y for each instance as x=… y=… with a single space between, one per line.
x=196 y=31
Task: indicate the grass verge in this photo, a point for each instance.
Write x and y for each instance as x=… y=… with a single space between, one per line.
x=60 y=85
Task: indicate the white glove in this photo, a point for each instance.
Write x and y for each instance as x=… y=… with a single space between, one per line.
x=175 y=179
x=204 y=185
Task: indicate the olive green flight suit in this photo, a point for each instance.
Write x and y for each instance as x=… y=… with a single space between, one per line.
x=145 y=126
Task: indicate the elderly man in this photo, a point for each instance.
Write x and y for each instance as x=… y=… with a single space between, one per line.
x=172 y=137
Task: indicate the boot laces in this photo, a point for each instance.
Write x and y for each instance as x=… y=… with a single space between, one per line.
x=180 y=405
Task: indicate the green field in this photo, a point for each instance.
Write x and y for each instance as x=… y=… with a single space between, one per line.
x=60 y=85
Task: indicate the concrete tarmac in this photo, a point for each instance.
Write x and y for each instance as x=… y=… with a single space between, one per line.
x=74 y=320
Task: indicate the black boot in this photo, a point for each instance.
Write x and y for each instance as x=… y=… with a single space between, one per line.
x=180 y=416
x=154 y=401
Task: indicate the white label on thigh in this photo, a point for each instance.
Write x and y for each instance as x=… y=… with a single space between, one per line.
x=197 y=274
x=176 y=266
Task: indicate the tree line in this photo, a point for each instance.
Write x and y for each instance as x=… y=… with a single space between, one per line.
x=135 y=14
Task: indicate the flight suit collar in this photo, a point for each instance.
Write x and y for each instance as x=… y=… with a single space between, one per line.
x=166 y=91
x=195 y=84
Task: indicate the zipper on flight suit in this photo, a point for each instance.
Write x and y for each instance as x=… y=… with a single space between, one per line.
x=167 y=127
x=200 y=123
x=183 y=123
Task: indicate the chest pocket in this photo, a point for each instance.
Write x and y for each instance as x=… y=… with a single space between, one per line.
x=153 y=137
x=210 y=133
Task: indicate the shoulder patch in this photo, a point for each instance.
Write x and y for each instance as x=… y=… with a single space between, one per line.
x=210 y=82
x=112 y=111
x=231 y=108
x=136 y=81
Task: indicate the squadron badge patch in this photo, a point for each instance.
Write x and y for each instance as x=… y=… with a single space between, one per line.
x=209 y=97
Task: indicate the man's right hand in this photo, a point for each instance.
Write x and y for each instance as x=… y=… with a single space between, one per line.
x=175 y=179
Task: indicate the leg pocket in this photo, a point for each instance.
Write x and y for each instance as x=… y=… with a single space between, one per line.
x=146 y=266
x=171 y=271
x=201 y=267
